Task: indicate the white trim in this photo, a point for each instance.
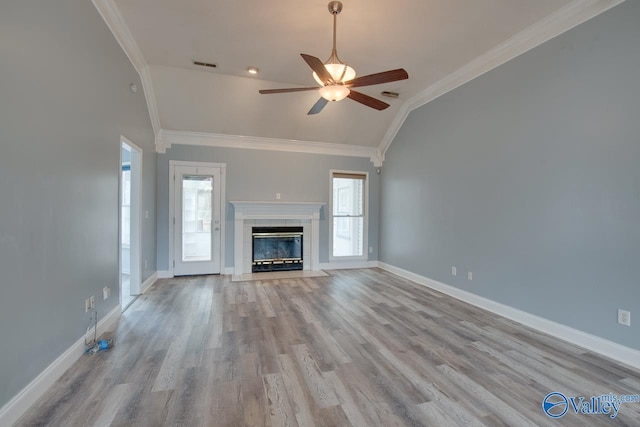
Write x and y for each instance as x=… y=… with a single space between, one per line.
x=148 y=283
x=161 y=144
x=135 y=241
x=119 y=203
x=276 y=210
x=365 y=231
x=590 y=342
x=113 y=18
x=567 y=17
x=152 y=105
x=167 y=138
x=22 y=401
x=165 y=274
x=347 y=265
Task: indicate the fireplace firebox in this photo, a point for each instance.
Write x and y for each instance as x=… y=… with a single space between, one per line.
x=277 y=248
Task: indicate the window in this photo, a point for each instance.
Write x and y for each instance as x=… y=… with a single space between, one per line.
x=196 y=217
x=349 y=222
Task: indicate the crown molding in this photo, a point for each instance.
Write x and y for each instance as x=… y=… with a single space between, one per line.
x=567 y=17
x=114 y=20
x=164 y=139
x=167 y=138
x=150 y=97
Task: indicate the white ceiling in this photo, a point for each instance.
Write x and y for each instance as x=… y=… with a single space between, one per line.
x=429 y=38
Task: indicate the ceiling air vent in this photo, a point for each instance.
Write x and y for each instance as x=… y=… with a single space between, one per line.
x=205 y=64
x=390 y=94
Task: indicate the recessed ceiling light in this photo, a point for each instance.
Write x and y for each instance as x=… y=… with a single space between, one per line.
x=253 y=70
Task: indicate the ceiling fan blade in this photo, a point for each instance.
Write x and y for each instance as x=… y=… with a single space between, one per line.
x=290 y=89
x=378 y=78
x=318 y=106
x=367 y=100
x=317 y=66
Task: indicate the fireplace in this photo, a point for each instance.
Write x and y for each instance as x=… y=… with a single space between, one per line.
x=275 y=214
x=277 y=248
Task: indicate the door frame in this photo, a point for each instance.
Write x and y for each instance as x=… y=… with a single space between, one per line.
x=135 y=224
x=172 y=213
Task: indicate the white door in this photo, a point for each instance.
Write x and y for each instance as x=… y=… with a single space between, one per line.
x=197 y=241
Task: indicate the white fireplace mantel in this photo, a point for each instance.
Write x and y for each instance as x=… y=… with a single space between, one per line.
x=275 y=211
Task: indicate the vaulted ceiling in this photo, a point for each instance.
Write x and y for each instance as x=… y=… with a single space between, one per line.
x=434 y=40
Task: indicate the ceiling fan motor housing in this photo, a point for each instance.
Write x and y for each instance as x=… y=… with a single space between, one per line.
x=335 y=7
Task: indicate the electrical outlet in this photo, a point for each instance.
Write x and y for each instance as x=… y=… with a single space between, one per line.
x=146 y=264
x=106 y=292
x=454 y=271
x=87 y=305
x=92 y=301
x=277 y=196
x=624 y=317
x=470 y=275
x=370 y=249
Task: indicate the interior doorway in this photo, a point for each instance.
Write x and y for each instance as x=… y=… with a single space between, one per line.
x=130 y=211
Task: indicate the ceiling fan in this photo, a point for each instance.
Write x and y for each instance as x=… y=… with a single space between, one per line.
x=337 y=78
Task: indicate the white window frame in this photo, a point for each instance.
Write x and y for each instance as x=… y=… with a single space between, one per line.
x=365 y=232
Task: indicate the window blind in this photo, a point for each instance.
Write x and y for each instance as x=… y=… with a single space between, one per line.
x=349 y=175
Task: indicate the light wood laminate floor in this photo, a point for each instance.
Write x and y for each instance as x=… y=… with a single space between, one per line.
x=360 y=347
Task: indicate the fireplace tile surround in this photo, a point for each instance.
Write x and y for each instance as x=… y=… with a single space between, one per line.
x=276 y=214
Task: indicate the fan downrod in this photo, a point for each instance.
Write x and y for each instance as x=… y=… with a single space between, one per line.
x=335 y=7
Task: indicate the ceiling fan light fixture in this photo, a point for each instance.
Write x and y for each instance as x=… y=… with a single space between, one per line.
x=334 y=92
x=340 y=73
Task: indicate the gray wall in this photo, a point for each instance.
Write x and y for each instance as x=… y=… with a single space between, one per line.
x=529 y=177
x=258 y=175
x=64 y=102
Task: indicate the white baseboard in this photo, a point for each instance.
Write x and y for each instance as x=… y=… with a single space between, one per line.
x=148 y=283
x=168 y=274
x=626 y=355
x=345 y=265
x=164 y=274
x=21 y=402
